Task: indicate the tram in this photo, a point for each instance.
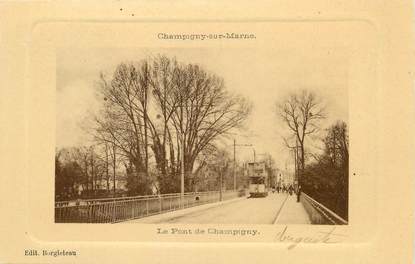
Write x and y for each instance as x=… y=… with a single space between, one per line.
x=258 y=179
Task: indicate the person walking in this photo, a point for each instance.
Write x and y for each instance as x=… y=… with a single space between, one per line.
x=290 y=190
x=298 y=193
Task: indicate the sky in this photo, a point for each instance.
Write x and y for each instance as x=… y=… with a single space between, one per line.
x=265 y=76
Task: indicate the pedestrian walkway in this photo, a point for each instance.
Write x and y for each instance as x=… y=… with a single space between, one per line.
x=292 y=213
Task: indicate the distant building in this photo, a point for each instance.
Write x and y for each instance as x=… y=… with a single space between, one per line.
x=284 y=177
x=120 y=184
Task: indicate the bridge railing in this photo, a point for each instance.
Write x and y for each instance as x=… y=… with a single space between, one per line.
x=319 y=214
x=111 y=210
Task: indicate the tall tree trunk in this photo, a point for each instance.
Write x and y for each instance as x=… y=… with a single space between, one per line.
x=114 y=160
x=302 y=157
x=145 y=133
x=92 y=172
x=164 y=169
x=86 y=174
x=107 y=167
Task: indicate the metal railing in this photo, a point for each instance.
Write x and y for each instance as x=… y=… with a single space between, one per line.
x=319 y=214
x=112 y=210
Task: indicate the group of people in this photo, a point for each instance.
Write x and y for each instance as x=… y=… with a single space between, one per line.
x=284 y=188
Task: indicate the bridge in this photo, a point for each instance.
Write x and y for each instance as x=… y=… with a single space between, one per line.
x=228 y=207
x=275 y=208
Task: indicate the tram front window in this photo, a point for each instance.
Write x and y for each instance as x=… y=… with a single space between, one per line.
x=257 y=180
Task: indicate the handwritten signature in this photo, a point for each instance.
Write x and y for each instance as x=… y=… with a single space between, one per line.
x=326 y=237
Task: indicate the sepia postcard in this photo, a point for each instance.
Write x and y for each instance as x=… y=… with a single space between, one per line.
x=207 y=132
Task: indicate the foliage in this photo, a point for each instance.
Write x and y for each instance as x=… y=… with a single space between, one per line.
x=67 y=176
x=79 y=171
x=326 y=180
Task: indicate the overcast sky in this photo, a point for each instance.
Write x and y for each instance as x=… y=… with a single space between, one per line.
x=265 y=76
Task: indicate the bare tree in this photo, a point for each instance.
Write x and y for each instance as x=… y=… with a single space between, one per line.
x=124 y=118
x=196 y=105
x=302 y=113
x=192 y=105
x=206 y=110
x=163 y=74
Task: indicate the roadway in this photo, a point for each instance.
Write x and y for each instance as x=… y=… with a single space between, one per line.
x=275 y=208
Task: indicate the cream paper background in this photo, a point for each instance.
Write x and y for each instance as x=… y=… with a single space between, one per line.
x=376 y=37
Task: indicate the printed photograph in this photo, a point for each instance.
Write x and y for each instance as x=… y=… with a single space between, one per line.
x=214 y=135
